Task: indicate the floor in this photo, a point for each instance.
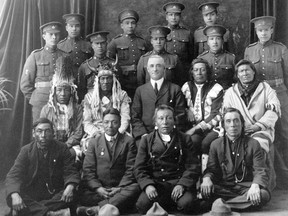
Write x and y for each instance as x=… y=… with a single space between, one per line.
x=278 y=206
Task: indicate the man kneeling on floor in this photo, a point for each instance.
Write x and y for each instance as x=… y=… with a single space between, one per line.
x=236 y=169
x=108 y=169
x=43 y=177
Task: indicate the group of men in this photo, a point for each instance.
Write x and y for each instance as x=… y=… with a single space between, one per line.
x=145 y=121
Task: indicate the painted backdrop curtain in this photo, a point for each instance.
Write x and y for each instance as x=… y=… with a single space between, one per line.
x=19 y=36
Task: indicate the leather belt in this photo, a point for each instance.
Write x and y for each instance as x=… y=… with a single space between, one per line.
x=42 y=84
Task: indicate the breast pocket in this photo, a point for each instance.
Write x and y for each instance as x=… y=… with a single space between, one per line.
x=226 y=71
x=142 y=50
x=43 y=69
x=123 y=52
x=255 y=60
x=169 y=72
x=274 y=67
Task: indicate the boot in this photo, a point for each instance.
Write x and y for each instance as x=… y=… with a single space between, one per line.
x=62 y=212
x=87 y=211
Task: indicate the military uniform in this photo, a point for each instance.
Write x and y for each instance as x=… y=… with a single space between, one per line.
x=78 y=49
x=129 y=49
x=38 y=72
x=171 y=63
x=222 y=66
x=200 y=41
x=271 y=62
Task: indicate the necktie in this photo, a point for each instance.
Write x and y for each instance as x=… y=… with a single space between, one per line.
x=111 y=142
x=197 y=105
x=156 y=88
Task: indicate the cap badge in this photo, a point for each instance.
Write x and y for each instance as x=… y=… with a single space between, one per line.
x=158 y=32
x=53 y=27
x=206 y=7
x=174 y=7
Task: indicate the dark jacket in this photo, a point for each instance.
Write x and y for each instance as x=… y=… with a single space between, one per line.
x=99 y=170
x=177 y=164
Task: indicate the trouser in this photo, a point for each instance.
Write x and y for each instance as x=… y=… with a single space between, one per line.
x=41 y=207
x=36 y=110
x=124 y=200
x=236 y=195
x=164 y=189
x=203 y=141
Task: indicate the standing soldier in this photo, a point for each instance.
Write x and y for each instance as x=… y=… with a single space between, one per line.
x=210 y=15
x=89 y=69
x=221 y=62
x=129 y=47
x=271 y=61
x=39 y=68
x=173 y=70
x=78 y=49
x=180 y=39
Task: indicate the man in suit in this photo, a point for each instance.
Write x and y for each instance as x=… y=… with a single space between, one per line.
x=39 y=68
x=166 y=167
x=155 y=92
x=108 y=168
x=236 y=169
x=43 y=177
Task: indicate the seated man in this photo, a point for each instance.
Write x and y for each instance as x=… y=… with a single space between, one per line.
x=62 y=108
x=166 y=167
x=150 y=95
x=43 y=177
x=204 y=99
x=236 y=169
x=260 y=108
x=108 y=168
x=107 y=93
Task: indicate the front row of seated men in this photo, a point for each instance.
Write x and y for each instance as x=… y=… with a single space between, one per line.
x=43 y=180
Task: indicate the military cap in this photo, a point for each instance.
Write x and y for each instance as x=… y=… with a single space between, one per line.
x=100 y=36
x=125 y=14
x=159 y=31
x=208 y=7
x=173 y=7
x=73 y=18
x=263 y=21
x=51 y=27
x=214 y=30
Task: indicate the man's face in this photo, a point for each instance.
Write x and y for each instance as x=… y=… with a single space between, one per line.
x=106 y=83
x=63 y=94
x=156 y=68
x=215 y=43
x=111 y=124
x=232 y=125
x=73 y=30
x=210 y=18
x=43 y=134
x=173 y=19
x=158 y=43
x=99 y=48
x=199 y=73
x=51 y=39
x=264 y=33
x=245 y=74
x=128 y=26
x=164 y=121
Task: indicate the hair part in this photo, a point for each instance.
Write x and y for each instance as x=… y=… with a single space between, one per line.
x=230 y=110
x=162 y=107
x=42 y=121
x=203 y=61
x=112 y=111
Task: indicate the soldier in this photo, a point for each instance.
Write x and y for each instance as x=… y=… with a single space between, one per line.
x=129 y=47
x=271 y=62
x=180 y=39
x=78 y=49
x=39 y=68
x=210 y=14
x=89 y=68
x=221 y=62
x=172 y=67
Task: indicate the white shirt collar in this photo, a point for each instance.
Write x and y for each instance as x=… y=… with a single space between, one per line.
x=108 y=138
x=159 y=82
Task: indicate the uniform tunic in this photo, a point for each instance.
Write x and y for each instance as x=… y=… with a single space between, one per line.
x=200 y=41
x=222 y=65
x=129 y=49
x=173 y=69
x=78 y=49
x=37 y=73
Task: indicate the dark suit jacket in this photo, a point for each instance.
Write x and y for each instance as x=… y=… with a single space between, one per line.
x=223 y=172
x=145 y=101
x=177 y=164
x=24 y=171
x=101 y=171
